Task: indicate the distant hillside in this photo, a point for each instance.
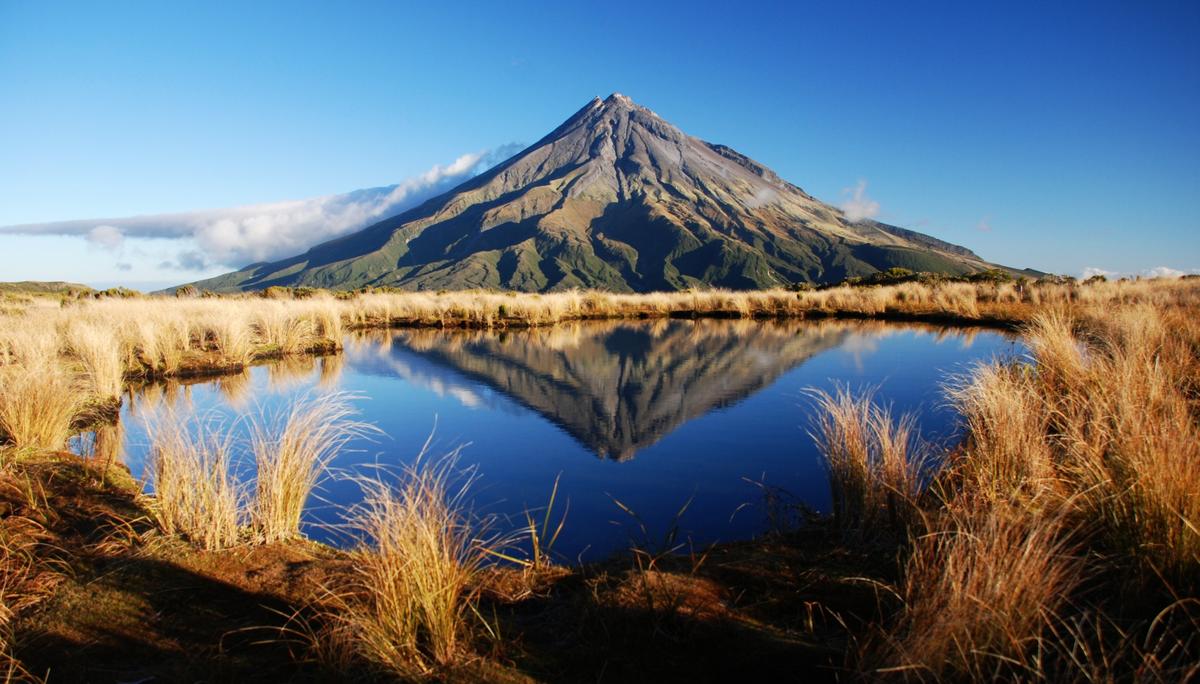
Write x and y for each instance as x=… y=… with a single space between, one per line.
x=43 y=287
x=619 y=199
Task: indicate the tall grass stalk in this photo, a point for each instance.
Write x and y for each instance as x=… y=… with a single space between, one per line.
x=542 y=536
x=191 y=471
x=980 y=592
x=876 y=464
x=1008 y=453
x=100 y=356
x=38 y=402
x=412 y=602
x=292 y=452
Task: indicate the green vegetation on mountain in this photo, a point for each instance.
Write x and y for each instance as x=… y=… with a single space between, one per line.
x=616 y=199
x=43 y=287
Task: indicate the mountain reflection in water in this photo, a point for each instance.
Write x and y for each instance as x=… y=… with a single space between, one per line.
x=616 y=387
x=713 y=410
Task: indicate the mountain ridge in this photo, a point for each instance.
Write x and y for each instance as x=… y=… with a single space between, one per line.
x=614 y=198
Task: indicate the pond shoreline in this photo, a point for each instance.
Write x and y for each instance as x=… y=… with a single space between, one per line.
x=202 y=366
x=1072 y=489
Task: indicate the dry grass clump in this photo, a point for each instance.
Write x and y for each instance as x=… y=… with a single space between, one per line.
x=195 y=491
x=1093 y=647
x=100 y=356
x=16 y=566
x=876 y=466
x=1084 y=464
x=1108 y=417
x=163 y=337
x=292 y=452
x=54 y=360
x=30 y=565
x=1126 y=425
x=232 y=337
x=279 y=331
x=1008 y=454
x=38 y=402
x=412 y=601
x=979 y=594
x=199 y=494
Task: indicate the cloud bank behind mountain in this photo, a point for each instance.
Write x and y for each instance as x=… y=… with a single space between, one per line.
x=238 y=236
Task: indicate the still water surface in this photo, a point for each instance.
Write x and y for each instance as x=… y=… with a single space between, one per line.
x=652 y=414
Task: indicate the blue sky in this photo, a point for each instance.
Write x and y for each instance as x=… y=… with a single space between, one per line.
x=1059 y=137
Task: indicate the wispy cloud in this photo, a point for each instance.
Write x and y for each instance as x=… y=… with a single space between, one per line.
x=1162 y=272
x=858 y=206
x=761 y=197
x=1156 y=272
x=1093 y=271
x=263 y=232
x=108 y=237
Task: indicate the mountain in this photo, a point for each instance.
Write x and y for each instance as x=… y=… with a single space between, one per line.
x=619 y=199
x=616 y=387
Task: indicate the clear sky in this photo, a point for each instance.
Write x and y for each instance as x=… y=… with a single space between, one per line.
x=1060 y=136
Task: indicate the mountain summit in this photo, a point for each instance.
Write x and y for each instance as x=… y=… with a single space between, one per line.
x=614 y=198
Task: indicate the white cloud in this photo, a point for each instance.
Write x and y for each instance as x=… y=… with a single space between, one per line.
x=108 y=237
x=1162 y=272
x=1092 y=271
x=263 y=232
x=762 y=197
x=858 y=206
x=1156 y=272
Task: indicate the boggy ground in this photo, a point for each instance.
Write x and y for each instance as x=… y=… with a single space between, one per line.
x=110 y=599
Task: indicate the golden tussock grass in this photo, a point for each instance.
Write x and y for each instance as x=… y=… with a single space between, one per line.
x=1009 y=456
x=876 y=466
x=978 y=594
x=191 y=470
x=1084 y=463
x=292 y=451
x=1125 y=426
x=38 y=402
x=100 y=358
x=411 y=605
x=17 y=569
x=105 y=341
x=29 y=569
x=1093 y=647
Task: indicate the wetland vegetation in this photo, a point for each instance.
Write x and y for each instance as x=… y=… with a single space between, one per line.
x=1008 y=548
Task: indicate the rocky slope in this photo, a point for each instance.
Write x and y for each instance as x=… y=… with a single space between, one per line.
x=614 y=198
